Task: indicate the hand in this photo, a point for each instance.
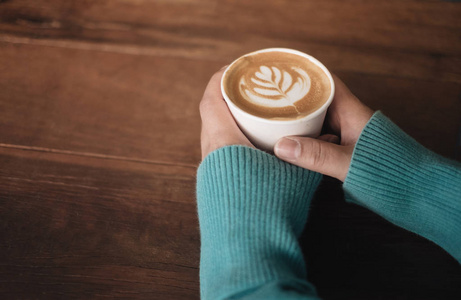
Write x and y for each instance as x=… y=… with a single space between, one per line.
x=347 y=117
x=218 y=126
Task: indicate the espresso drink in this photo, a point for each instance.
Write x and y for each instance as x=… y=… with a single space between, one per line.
x=276 y=85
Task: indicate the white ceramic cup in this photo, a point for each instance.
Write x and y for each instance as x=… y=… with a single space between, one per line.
x=264 y=133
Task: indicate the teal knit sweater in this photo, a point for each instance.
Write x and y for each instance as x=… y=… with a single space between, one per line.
x=252 y=208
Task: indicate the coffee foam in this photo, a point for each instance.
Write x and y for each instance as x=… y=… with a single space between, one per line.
x=277 y=85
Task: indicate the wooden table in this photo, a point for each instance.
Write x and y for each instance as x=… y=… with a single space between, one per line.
x=99 y=139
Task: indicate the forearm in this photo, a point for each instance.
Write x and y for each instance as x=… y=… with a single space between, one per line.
x=394 y=176
x=252 y=208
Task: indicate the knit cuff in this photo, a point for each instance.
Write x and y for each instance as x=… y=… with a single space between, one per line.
x=252 y=207
x=396 y=177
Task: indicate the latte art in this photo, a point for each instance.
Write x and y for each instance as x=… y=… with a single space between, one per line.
x=272 y=87
x=276 y=85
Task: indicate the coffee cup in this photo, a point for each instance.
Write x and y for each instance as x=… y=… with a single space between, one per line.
x=277 y=92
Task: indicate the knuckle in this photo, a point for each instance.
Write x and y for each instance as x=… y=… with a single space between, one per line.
x=316 y=156
x=217 y=74
x=204 y=105
x=216 y=77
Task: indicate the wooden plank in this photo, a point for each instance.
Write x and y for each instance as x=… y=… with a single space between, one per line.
x=146 y=107
x=427 y=27
x=395 y=63
x=86 y=101
x=83 y=227
x=77 y=226
x=99 y=138
x=410 y=39
x=429 y=111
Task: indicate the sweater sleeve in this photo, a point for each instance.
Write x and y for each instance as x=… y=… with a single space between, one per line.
x=412 y=187
x=252 y=207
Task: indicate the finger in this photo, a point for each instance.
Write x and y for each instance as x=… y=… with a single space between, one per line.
x=347 y=115
x=213 y=88
x=213 y=108
x=219 y=128
x=342 y=102
x=316 y=155
x=331 y=138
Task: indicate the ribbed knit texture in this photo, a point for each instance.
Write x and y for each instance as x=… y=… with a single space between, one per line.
x=252 y=208
x=394 y=176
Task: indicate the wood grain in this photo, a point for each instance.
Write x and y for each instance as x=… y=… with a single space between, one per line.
x=334 y=21
x=83 y=227
x=146 y=107
x=429 y=111
x=99 y=139
x=399 y=39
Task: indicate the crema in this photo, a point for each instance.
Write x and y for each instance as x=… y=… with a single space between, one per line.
x=276 y=85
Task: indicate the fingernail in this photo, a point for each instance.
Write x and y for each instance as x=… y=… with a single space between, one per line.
x=223 y=67
x=288 y=149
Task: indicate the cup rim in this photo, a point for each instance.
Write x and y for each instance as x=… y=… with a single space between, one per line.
x=312 y=115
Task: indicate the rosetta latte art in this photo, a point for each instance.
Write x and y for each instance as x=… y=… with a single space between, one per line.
x=272 y=87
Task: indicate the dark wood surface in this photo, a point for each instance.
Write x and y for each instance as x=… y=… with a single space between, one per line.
x=99 y=139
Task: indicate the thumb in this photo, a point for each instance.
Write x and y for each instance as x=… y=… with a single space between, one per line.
x=316 y=155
